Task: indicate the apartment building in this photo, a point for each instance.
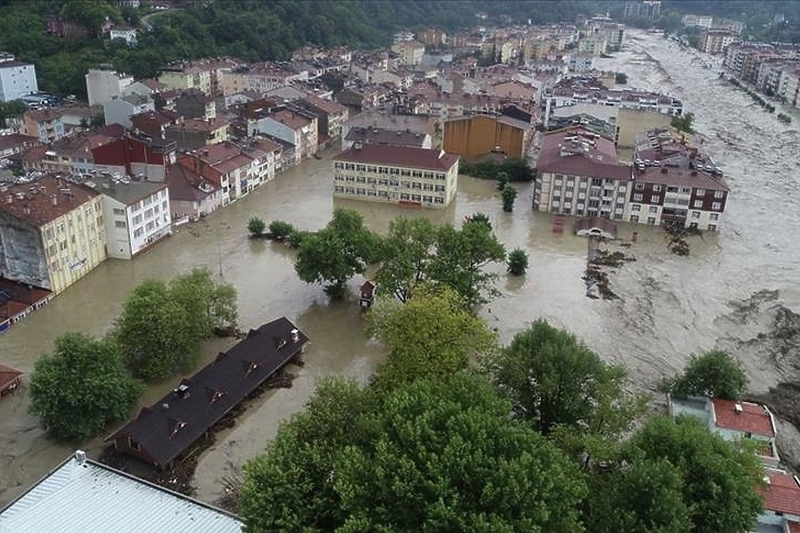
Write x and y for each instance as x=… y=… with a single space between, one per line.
x=578 y=174
x=119 y=110
x=186 y=76
x=292 y=126
x=46 y=124
x=136 y=214
x=191 y=196
x=52 y=232
x=226 y=166
x=105 y=84
x=698 y=21
x=716 y=41
x=399 y=175
x=589 y=90
x=17 y=79
x=136 y=154
x=410 y=52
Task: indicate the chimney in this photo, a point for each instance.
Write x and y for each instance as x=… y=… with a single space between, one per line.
x=737 y=407
x=80 y=456
x=295 y=335
x=54 y=199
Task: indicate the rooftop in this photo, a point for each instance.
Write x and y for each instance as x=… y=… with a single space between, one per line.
x=170 y=426
x=752 y=418
x=782 y=493
x=399 y=156
x=386 y=136
x=82 y=495
x=580 y=152
x=44 y=200
x=187 y=185
x=7 y=375
x=681 y=177
x=127 y=192
x=291 y=118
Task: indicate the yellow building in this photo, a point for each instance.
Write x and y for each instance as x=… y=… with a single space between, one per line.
x=186 y=77
x=396 y=174
x=479 y=135
x=51 y=232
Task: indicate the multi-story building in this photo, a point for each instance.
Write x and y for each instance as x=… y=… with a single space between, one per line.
x=642 y=9
x=589 y=90
x=410 y=52
x=191 y=196
x=136 y=214
x=259 y=78
x=593 y=44
x=52 y=232
x=186 y=76
x=396 y=174
x=578 y=174
x=138 y=155
x=195 y=104
x=17 y=79
x=126 y=33
x=195 y=133
x=46 y=124
x=290 y=125
x=105 y=84
x=698 y=21
x=479 y=135
x=432 y=36
x=330 y=115
x=781 y=493
x=227 y=166
x=120 y=110
x=716 y=41
x=789 y=85
x=376 y=135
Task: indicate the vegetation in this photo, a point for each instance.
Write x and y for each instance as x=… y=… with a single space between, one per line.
x=684 y=122
x=512 y=169
x=161 y=325
x=12 y=109
x=715 y=374
x=256 y=226
x=280 y=229
x=336 y=253
x=509 y=194
x=81 y=387
x=437 y=454
x=517 y=262
x=786 y=119
x=431 y=335
x=620 y=78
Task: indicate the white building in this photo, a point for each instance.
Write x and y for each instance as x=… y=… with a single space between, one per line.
x=396 y=174
x=291 y=126
x=125 y=33
x=17 y=79
x=82 y=495
x=136 y=214
x=103 y=85
x=120 y=110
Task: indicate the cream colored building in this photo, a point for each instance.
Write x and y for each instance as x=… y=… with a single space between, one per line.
x=51 y=232
x=396 y=174
x=187 y=77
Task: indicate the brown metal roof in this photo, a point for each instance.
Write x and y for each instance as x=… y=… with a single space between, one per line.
x=682 y=177
x=7 y=376
x=170 y=426
x=399 y=156
x=580 y=152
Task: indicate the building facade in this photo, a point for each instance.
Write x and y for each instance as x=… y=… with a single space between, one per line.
x=17 y=79
x=479 y=135
x=396 y=174
x=52 y=233
x=716 y=41
x=104 y=84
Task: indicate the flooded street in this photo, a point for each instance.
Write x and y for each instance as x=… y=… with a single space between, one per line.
x=724 y=294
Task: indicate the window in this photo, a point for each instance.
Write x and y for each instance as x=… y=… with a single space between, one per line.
x=716 y=206
x=695 y=215
x=698 y=204
x=700 y=192
x=120 y=224
x=651 y=220
x=653 y=209
x=639 y=186
x=634 y=218
x=636 y=207
x=718 y=194
x=714 y=216
x=137 y=219
x=138 y=232
x=637 y=197
x=654 y=199
x=712 y=227
x=597 y=182
x=656 y=188
x=133 y=445
x=118 y=211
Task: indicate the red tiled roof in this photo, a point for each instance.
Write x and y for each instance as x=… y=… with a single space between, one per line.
x=294 y=120
x=782 y=493
x=36 y=205
x=682 y=177
x=753 y=418
x=597 y=158
x=794 y=527
x=400 y=156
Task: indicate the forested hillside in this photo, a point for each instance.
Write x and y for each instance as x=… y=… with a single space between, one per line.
x=250 y=29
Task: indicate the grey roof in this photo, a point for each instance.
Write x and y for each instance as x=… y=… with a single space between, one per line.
x=127 y=192
x=84 y=495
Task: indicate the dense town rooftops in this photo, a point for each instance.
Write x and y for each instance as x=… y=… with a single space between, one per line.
x=782 y=492
x=385 y=136
x=580 y=152
x=398 y=156
x=292 y=119
x=590 y=88
x=170 y=426
x=748 y=417
x=127 y=192
x=44 y=200
x=82 y=495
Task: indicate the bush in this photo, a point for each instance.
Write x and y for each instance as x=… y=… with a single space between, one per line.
x=517 y=262
x=256 y=226
x=296 y=238
x=280 y=229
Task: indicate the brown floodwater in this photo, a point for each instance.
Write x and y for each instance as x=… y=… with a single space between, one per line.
x=669 y=306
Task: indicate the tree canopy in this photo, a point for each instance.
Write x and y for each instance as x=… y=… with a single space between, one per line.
x=437 y=454
x=81 y=387
x=432 y=334
x=715 y=374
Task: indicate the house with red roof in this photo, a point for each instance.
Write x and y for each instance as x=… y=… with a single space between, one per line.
x=781 y=492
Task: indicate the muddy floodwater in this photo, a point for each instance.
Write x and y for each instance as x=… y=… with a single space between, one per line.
x=725 y=294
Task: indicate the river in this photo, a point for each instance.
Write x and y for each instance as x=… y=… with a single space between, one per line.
x=723 y=295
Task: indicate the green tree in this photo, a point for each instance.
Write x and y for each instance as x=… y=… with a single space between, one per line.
x=502 y=181
x=719 y=480
x=12 y=109
x=256 y=226
x=517 y=262
x=280 y=229
x=620 y=78
x=432 y=334
x=509 y=194
x=684 y=122
x=716 y=374
x=81 y=387
x=406 y=254
x=211 y=305
x=462 y=254
x=290 y=487
x=337 y=252
x=90 y=13
x=443 y=455
x=552 y=378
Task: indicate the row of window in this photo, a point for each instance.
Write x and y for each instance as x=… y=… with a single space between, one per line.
x=389 y=170
x=639 y=185
x=389 y=195
x=392 y=183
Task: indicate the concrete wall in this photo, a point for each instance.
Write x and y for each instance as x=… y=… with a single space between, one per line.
x=22 y=255
x=632 y=122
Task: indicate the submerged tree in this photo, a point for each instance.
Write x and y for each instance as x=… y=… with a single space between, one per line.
x=256 y=226
x=81 y=387
x=517 y=262
x=509 y=194
x=716 y=374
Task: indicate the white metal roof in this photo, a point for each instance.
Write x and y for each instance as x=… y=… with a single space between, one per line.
x=83 y=496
